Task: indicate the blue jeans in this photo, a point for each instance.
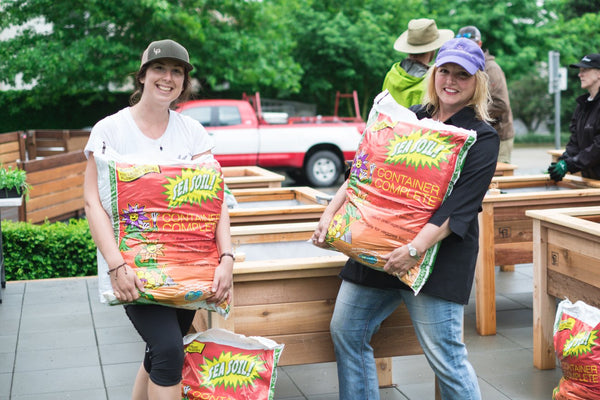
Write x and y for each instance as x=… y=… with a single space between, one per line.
x=359 y=311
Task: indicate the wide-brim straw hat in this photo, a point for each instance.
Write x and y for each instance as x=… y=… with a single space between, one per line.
x=422 y=36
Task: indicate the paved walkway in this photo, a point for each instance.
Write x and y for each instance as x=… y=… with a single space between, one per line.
x=57 y=342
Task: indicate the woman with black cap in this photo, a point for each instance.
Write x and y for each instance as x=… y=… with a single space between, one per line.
x=150 y=129
x=582 y=153
x=457 y=94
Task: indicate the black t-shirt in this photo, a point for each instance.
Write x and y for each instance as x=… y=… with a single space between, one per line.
x=454 y=267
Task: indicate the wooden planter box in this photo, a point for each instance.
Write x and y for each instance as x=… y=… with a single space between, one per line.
x=50 y=142
x=506 y=233
x=566 y=264
x=251 y=177
x=285 y=289
x=56 y=187
x=12 y=148
x=277 y=205
x=555 y=153
x=504 y=169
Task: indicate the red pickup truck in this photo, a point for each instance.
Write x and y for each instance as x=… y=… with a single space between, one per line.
x=313 y=148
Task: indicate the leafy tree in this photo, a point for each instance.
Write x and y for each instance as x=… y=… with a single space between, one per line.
x=577 y=8
x=297 y=49
x=513 y=31
x=529 y=98
x=348 y=45
x=95 y=45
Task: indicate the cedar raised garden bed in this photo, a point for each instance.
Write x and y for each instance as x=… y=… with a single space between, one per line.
x=506 y=233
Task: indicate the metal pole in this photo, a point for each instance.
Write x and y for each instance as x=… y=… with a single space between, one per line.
x=557 y=119
x=555 y=55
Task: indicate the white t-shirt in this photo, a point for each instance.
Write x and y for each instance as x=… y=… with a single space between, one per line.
x=183 y=138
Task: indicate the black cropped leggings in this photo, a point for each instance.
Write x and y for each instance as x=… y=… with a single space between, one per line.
x=162 y=328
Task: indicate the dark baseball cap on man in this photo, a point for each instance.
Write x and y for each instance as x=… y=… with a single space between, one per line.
x=166 y=49
x=589 y=61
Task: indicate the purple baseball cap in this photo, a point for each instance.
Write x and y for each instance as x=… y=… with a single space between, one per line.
x=463 y=52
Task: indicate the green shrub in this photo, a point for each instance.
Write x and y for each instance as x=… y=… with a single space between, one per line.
x=49 y=250
x=536 y=139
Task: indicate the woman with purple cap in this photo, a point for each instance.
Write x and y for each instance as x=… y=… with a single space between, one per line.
x=457 y=94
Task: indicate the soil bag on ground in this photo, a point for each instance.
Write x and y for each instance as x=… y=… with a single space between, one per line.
x=220 y=364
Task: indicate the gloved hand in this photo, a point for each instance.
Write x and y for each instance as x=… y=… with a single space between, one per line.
x=558 y=170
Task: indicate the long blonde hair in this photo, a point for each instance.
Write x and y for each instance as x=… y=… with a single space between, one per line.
x=480 y=100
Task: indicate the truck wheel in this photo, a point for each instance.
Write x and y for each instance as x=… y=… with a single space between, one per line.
x=322 y=169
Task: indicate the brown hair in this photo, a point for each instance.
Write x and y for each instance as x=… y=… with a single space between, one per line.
x=139 y=87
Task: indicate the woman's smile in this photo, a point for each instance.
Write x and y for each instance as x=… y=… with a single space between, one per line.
x=454 y=86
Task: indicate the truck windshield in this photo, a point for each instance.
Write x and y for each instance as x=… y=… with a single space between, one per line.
x=215 y=116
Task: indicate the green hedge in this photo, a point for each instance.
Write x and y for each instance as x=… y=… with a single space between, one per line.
x=49 y=250
x=536 y=139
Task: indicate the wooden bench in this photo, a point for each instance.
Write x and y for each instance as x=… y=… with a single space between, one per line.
x=56 y=187
x=566 y=264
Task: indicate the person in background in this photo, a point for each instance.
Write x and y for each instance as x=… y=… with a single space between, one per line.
x=150 y=128
x=406 y=79
x=457 y=94
x=499 y=109
x=582 y=153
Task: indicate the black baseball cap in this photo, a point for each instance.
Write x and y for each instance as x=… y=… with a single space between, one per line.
x=589 y=61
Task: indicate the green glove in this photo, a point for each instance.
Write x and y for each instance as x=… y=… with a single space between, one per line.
x=558 y=170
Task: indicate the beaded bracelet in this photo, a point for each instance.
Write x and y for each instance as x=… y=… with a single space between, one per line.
x=226 y=254
x=115 y=269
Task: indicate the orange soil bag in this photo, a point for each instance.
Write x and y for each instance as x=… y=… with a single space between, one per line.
x=577 y=347
x=164 y=218
x=403 y=170
x=222 y=365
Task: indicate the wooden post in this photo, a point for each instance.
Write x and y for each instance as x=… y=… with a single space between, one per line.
x=384 y=372
x=543 y=303
x=485 y=287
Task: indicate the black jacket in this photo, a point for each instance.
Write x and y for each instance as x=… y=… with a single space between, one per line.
x=454 y=268
x=582 y=152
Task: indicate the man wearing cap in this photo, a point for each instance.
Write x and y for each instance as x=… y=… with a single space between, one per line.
x=406 y=79
x=582 y=153
x=500 y=111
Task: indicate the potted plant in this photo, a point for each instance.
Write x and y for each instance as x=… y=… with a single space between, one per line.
x=13 y=182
